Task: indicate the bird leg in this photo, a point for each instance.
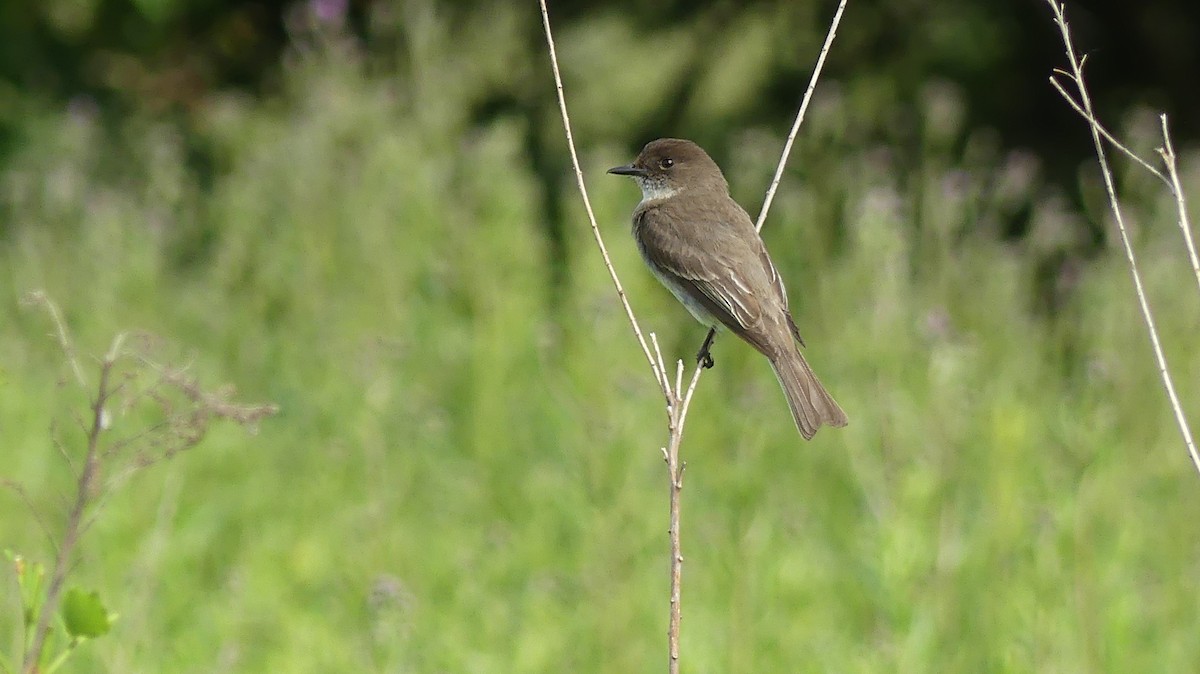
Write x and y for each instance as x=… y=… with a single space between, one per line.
x=703 y=356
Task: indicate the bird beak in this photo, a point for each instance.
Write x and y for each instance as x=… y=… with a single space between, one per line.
x=630 y=170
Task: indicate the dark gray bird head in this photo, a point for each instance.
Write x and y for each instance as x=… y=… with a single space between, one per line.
x=668 y=166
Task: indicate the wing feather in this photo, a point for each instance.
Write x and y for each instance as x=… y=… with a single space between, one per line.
x=707 y=271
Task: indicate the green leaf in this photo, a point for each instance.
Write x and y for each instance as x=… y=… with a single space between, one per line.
x=29 y=580
x=84 y=614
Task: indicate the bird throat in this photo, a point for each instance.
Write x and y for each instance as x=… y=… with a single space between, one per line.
x=653 y=190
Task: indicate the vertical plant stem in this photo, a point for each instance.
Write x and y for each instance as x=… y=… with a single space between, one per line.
x=1085 y=101
x=677 y=415
x=83 y=497
x=791 y=138
x=675 y=473
x=1168 y=155
x=659 y=375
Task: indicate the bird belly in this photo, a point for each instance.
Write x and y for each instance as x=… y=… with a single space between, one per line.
x=694 y=307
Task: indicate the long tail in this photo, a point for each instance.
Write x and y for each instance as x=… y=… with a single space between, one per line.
x=811 y=405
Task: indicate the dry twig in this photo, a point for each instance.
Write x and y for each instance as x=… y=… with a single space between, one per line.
x=1084 y=107
x=1167 y=152
x=183 y=425
x=812 y=85
x=83 y=496
x=659 y=372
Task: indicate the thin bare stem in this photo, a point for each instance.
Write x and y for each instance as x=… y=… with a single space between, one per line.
x=812 y=85
x=675 y=467
x=687 y=397
x=39 y=297
x=1076 y=75
x=659 y=375
x=1099 y=127
x=1168 y=155
x=659 y=357
x=675 y=472
x=75 y=520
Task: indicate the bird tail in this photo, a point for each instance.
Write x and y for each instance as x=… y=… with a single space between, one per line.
x=811 y=405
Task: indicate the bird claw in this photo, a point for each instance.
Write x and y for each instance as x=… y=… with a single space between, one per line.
x=703 y=358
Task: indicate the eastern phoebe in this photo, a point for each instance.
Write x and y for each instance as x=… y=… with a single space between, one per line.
x=703 y=247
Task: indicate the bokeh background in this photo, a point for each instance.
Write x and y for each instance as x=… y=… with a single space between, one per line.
x=363 y=211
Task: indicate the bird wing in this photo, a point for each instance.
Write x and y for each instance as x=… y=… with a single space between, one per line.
x=707 y=271
x=780 y=289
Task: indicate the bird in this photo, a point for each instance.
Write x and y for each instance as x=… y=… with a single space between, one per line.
x=705 y=249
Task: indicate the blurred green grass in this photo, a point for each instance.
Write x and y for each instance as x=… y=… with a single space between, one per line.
x=465 y=474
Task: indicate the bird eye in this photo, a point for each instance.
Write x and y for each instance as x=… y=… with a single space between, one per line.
x=666 y=163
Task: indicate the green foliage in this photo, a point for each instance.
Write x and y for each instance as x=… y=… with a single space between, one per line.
x=84 y=615
x=465 y=475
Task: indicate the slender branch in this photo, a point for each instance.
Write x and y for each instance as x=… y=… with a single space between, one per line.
x=675 y=473
x=679 y=377
x=659 y=357
x=675 y=468
x=676 y=407
x=812 y=85
x=687 y=397
x=60 y=327
x=1099 y=127
x=1168 y=155
x=659 y=375
x=1076 y=75
x=185 y=428
x=83 y=497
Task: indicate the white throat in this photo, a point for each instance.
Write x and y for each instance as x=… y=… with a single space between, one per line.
x=653 y=190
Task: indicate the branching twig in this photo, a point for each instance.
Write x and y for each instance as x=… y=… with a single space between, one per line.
x=812 y=85
x=678 y=399
x=1168 y=155
x=675 y=468
x=184 y=426
x=660 y=374
x=1085 y=107
x=1100 y=127
x=83 y=496
x=38 y=297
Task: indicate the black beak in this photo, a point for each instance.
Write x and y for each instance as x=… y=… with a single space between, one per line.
x=630 y=170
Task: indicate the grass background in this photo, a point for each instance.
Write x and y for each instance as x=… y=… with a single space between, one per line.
x=465 y=474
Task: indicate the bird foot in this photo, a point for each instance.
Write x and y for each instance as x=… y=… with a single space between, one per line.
x=703 y=358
